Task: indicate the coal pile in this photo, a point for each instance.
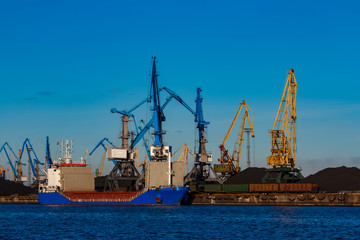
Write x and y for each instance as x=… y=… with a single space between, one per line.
x=247 y=176
x=336 y=179
x=100 y=183
x=8 y=188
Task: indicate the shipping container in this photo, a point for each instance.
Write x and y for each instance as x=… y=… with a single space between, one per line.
x=266 y=187
x=193 y=187
x=298 y=187
x=201 y=187
x=236 y=187
x=213 y=187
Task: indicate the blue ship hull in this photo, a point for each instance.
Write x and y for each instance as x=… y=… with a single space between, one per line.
x=161 y=196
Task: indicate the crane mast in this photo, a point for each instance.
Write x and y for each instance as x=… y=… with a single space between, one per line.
x=283 y=138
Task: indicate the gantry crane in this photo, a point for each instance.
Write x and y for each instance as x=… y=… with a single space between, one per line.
x=283 y=137
x=230 y=165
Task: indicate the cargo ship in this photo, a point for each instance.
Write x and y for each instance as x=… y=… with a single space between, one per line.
x=73 y=184
x=69 y=183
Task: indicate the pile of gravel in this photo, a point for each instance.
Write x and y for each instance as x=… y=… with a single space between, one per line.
x=8 y=188
x=247 y=176
x=336 y=179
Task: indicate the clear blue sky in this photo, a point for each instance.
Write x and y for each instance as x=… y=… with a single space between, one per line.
x=65 y=64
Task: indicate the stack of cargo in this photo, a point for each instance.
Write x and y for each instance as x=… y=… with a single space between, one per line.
x=259 y=188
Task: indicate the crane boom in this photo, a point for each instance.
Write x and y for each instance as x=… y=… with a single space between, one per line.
x=283 y=134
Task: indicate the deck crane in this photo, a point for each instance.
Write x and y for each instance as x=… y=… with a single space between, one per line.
x=35 y=169
x=283 y=138
x=16 y=170
x=229 y=165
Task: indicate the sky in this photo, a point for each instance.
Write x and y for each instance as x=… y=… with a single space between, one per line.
x=65 y=64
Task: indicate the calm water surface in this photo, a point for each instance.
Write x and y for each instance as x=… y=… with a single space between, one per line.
x=181 y=222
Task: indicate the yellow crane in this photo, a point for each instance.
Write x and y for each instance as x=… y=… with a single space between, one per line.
x=283 y=138
x=136 y=157
x=99 y=171
x=227 y=162
x=283 y=134
x=184 y=153
x=3 y=172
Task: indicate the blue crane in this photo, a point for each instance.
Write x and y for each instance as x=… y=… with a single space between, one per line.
x=144 y=130
x=158 y=111
x=201 y=126
x=101 y=143
x=198 y=114
x=35 y=169
x=48 y=159
x=202 y=168
x=179 y=99
x=129 y=114
x=17 y=162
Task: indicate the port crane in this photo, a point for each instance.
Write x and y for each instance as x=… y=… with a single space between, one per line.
x=3 y=172
x=229 y=165
x=202 y=170
x=34 y=169
x=184 y=153
x=124 y=157
x=16 y=170
x=283 y=137
x=98 y=172
x=158 y=152
x=48 y=160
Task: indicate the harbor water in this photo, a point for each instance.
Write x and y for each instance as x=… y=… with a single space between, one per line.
x=178 y=222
